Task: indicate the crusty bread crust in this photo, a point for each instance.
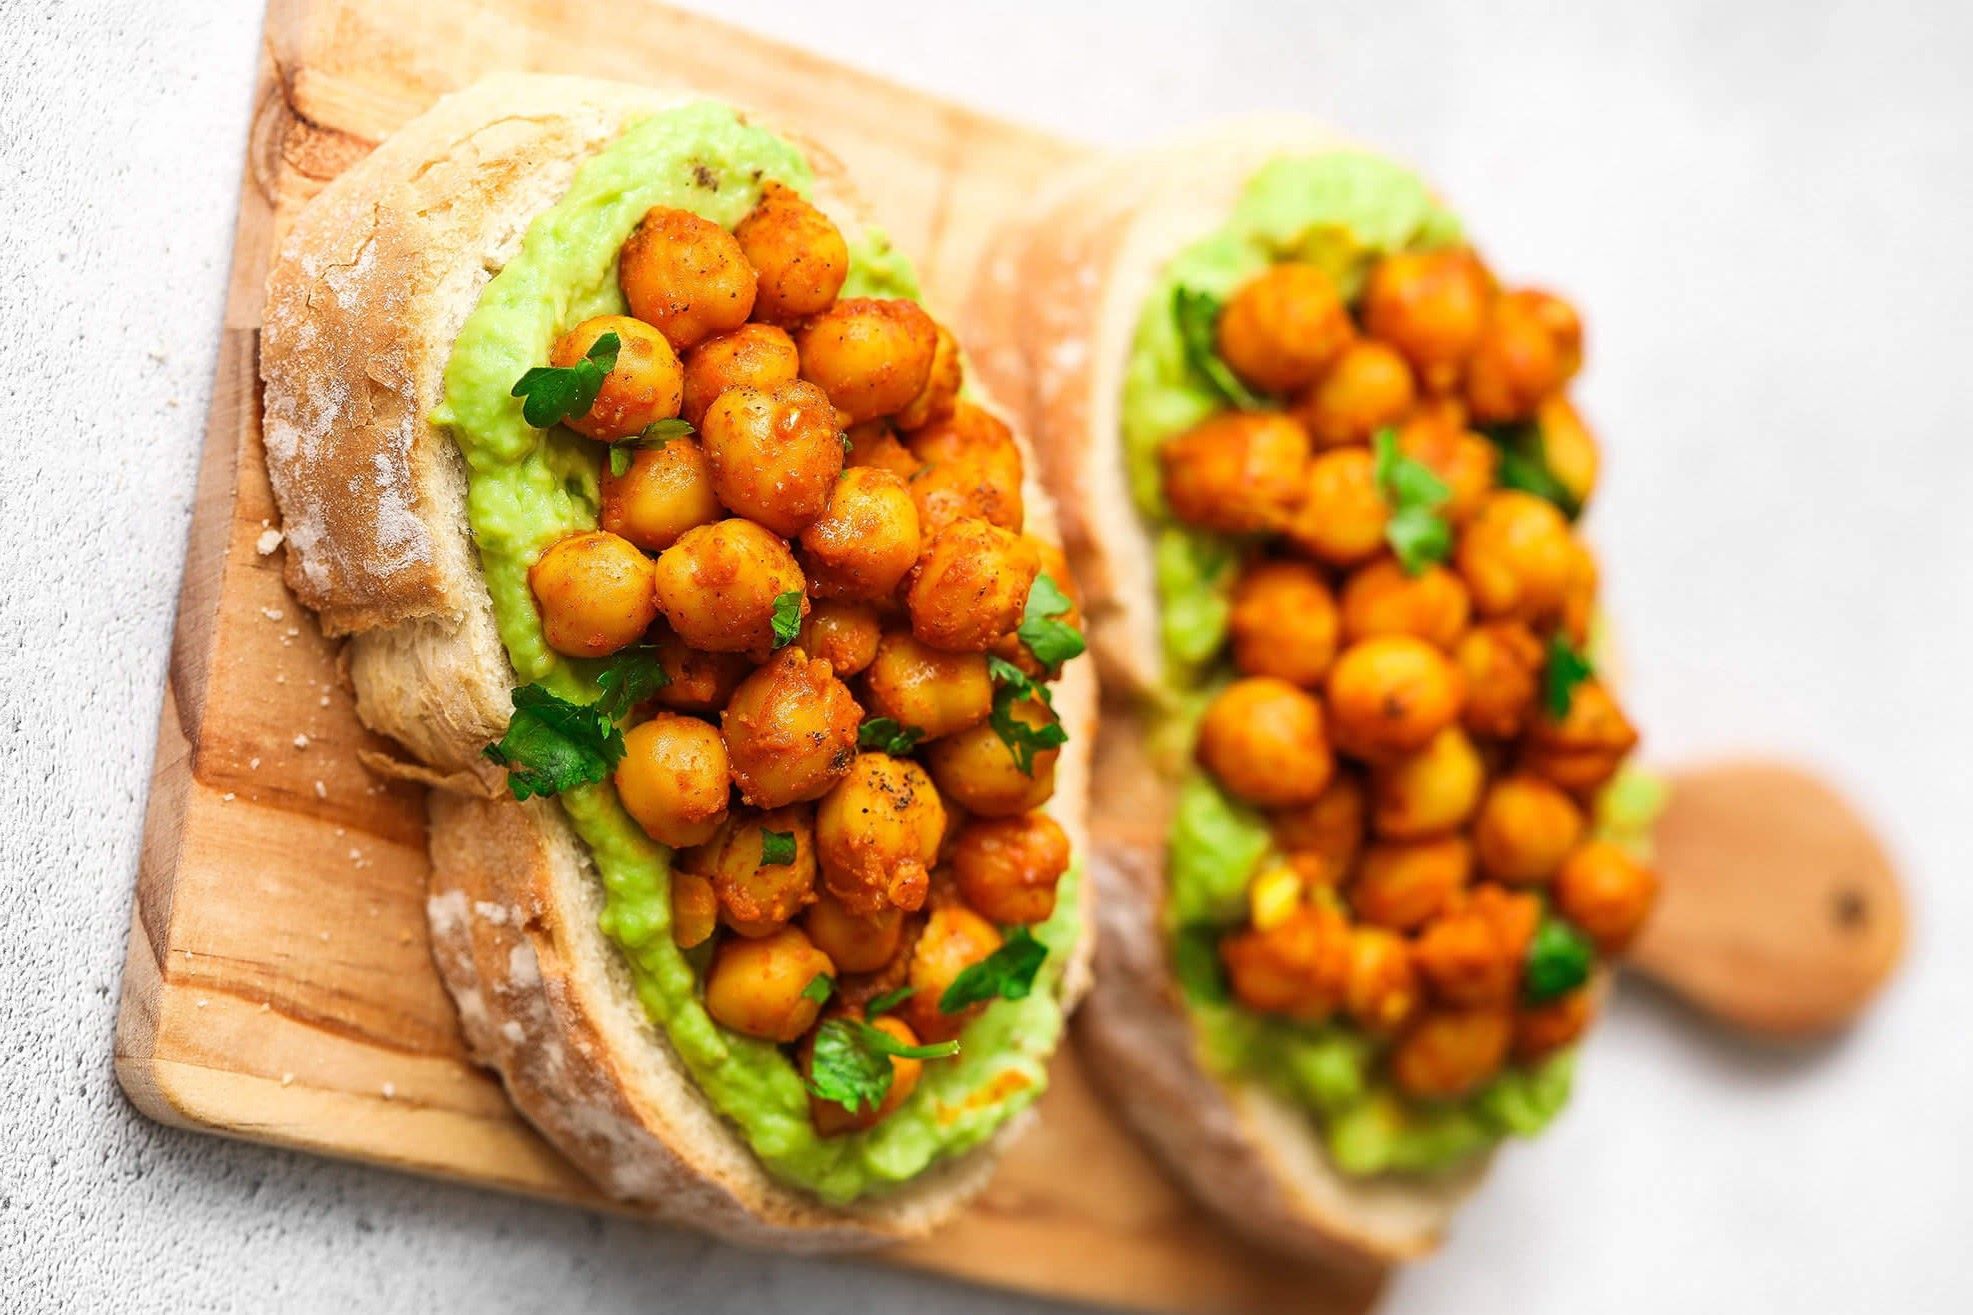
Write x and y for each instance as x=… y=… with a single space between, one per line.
x=1097 y=242
x=363 y=304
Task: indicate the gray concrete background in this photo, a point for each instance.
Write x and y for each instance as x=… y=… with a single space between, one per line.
x=1764 y=208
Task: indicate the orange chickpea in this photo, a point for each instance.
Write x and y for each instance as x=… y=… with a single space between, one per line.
x=1391 y=694
x=1283 y=622
x=1322 y=839
x=955 y=938
x=1401 y=885
x=1516 y=557
x=1502 y=665
x=1427 y=792
x=797 y=252
x=717 y=586
x=844 y=635
x=1342 y=513
x=640 y=389
x=1466 y=462
x=1365 y=389
x=666 y=491
x=1299 y=967
x=874 y=443
x=1007 y=868
x=871 y=356
x=758 y=898
x=867 y=537
x=969 y=465
x=685 y=276
x=1568 y=448
x=926 y=688
x=1449 y=1053
x=695 y=681
x=1524 y=830
x=672 y=779
x=833 y=1120
x=790 y=730
x=755 y=986
x=1283 y=326
x=856 y=943
x=1054 y=565
x=1382 y=599
x=751 y=356
x=1431 y=306
x=877 y=833
x=1262 y=739
x=1579 y=597
x=694 y=909
x=1541 y=1030
x=775 y=457
x=970 y=586
x=1605 y=892
x=939 y=398
x=1516 y=363
x=1382 y=993
x=594 y=592
x=1240 y=472
x=1470 y=956
x=978 y=771
x=1586 y=747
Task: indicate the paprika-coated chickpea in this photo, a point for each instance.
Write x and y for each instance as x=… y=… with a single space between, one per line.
x=1263 y=741
x=695 y=681
x=1502 y=664
x=1299 y=967
x=1007 y=868
x=877 y=833
x=955 y=938
x=970 y=586
x=865 y=540
x=1525 y=828
x=1605 y=892
x=844 y=635
x=672 y=779
x=978 y=771
x=1283 y=622
x=875 y=443
x=1055 y=565
x=1385 y=599
x=755 y=987
x=1401 y=885
x=1365 y=389
x=871 y=356
x=1341 y=515
x=1464 y=461
x=1283 y=326
x=833 y=1120
x=666 y=491
x=643 y=387
x=1561 y=320
x=1382 y=994
x=939 y=398
x=797 y=252
x=970 y=465
x=1568 y=448
x=1429 y=791
x=1541 y=1030
x=1431 y=306
x=1579 y=597
x=717 y=585
x=1448 y=1053
x=594 y=592
x=1585 y=747
x=775 y=456
x=1469 y=957
x=1517 y=363
x=685 y=276
x=925 y=688
x=857 y=943
x=1390 y=695
x=790 y=730
x=753 y=356
x=1322 y=840
x=757 y=897
x=1240 y=472
x=1517 y=557
x=694 y=908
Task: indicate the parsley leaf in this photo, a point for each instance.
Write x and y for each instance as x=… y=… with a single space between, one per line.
x=1524 y=466
x=787 y=617
x=886 y=735
x=1012 y=686
x=1416 y=532
x=552 y=744
x=656 y=434
x=851 y=1062
x=1051 y=641
x=1197 y=314
x=820 y=987
x=1006 y=974
x=631 y=676
x=1565 y=669
x=889 y=1000
x=777 y=848
x=556 y=392
x=1559 y=959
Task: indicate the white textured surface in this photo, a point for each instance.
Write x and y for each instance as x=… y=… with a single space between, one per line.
x=1763 y=206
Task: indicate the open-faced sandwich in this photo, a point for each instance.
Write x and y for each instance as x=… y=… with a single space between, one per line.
x=1361 y=839
x=676 y=552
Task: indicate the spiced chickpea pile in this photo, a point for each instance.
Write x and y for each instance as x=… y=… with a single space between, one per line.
x=821 y=546
x=1412 y=708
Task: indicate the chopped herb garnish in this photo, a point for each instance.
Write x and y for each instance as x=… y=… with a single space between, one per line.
x=656 y=434
x=556 y=392
x=1011 y=687
x=552 y=745
x=1565 y=669
x=820 y=987
x=1524 y=466
x=889 y=1000
x=1559 y=960
x=1197 y=314
x=1416 y=531
x=631 y=676
x=787 y=617
x=777 y=848
x=1006 y=974
x=851 y=1062
x=1196 y=963
x=886 y=735
x=1052 y=641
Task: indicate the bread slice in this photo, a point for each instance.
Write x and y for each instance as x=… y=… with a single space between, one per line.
x=369 y=290
x=1096 y=244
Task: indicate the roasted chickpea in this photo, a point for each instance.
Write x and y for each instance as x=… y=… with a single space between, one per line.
x=833 y=1120
x=1390 y=695
x=685 y=276
x=752 y=356
x=1262 y=739
x=695 y=681
x=594 y=592
x=871 y=356
x=842 y=634
x=1524 y=830
x=1384 y=599
x=1448 y=1053
x=978 y=771
x=1517 y=363
x=798 y=253
x=1466 y=462
x=939 y=398
x=1055 y=565
x=640 y=389
x=717 y=586
x=1541 y=1030
x=1401 y=885
x=666 y=491
x=925 y=688
x=756 y=897
x=775 y=457
x=1283 y=622
x=1605 y=892
x=865 y=540
x=1299 y=967
x=694 y=909
x=875 y=443
x=1427 y=792
x=1364 y=390
x=955 y=938
x=1342 y=512
x=877 y=833
x=1502 y=665
x=1006 y=868
x=1240 y=472
x=1322 y=839
x=1469 y=956
x=1516 y=557
x=755 y=986
x=1568 y=448
x=672 y=779
x=857 y=943
x=1579 y=596
x=1383 y=990
x=970 y=465
x=1430 y=305
x=970 y=586
x=1586 y=747
x=1281 y=327
x=790 y=730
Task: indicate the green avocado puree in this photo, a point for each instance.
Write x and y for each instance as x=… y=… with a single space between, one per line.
x=1342 y=211
x=528 y=488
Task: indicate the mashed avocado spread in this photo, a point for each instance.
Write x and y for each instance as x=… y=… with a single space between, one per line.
x=529 y=488
x=1342 y=211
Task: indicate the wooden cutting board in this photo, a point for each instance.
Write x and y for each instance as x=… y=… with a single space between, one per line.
x=279 y=985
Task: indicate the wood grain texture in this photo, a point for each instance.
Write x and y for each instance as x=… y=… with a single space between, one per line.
x=278 y=984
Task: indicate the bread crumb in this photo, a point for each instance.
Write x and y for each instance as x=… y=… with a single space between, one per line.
x=322 y=702
x=390 y=1091
x=280 y=678
x=321 y=790
x=293 y=632
x=287 y=1079
x=301 y=741
x=272 y=613
x=253 y=764
x=268 y=541
x=264 y=1006
x=228 y=797
x=201 y=1002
